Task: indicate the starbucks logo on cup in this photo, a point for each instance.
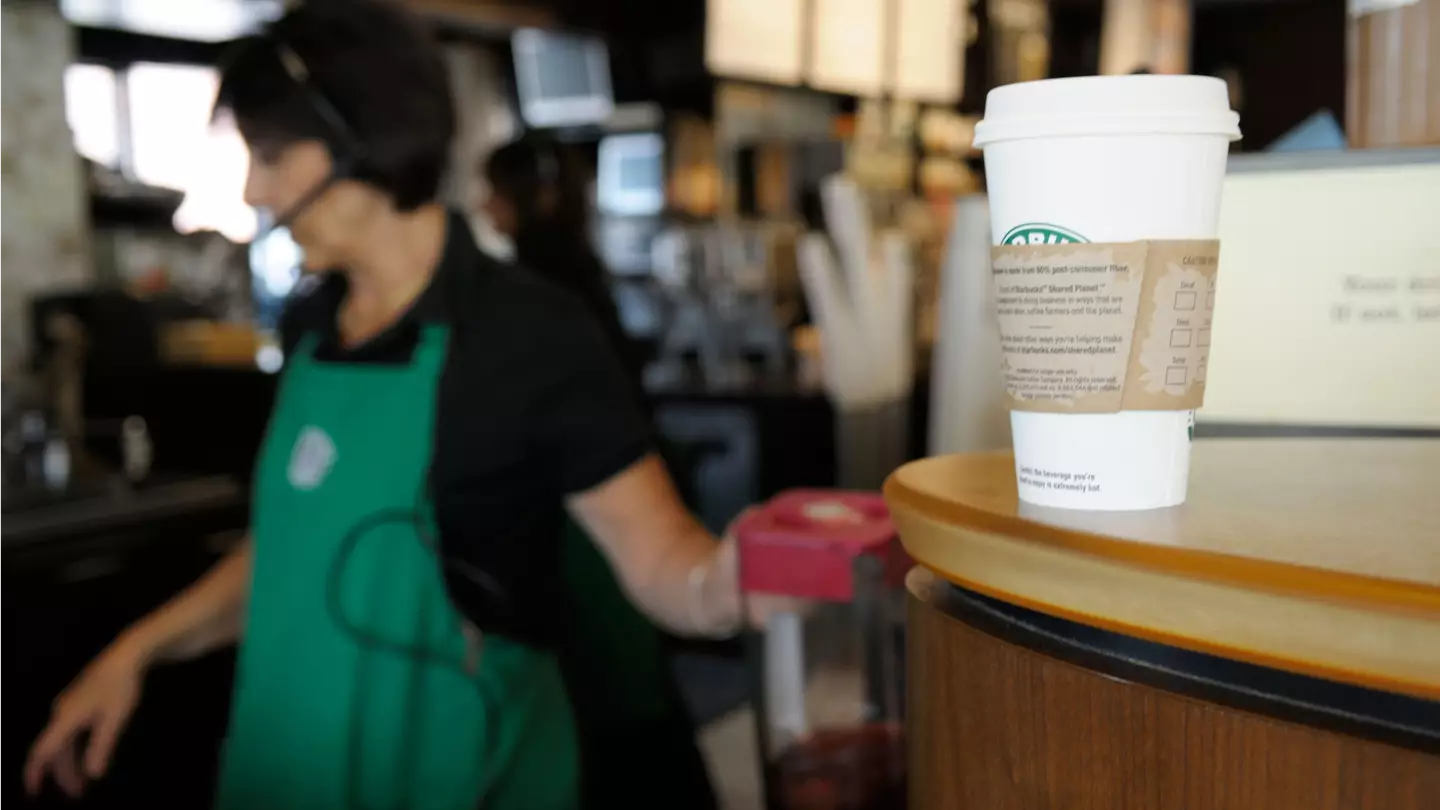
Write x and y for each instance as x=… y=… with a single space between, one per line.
x=1041 y=233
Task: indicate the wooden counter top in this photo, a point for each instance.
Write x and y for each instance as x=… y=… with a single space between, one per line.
x=1320 y=557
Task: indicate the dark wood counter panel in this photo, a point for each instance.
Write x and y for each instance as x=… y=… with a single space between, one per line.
x=1013 y=710
x=1387 y=717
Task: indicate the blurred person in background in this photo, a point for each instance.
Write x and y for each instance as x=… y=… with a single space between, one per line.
x=539 y=197
x=630 y=717
x=400 y=602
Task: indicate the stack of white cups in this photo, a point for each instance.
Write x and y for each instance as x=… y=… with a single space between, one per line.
x=863 y=306
x=967 y=397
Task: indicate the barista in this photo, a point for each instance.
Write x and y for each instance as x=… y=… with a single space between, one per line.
x=438 y=415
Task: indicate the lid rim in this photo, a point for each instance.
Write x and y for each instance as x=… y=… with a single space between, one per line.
x=1225 y=125
x=1108 y=105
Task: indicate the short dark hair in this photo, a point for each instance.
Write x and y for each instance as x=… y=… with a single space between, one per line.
x=375 y=66
x=544 y=180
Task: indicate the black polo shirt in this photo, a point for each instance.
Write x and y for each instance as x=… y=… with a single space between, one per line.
x=532 y=405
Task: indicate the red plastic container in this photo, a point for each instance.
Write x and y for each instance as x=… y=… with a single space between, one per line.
x=829 y=675
x=804 y=543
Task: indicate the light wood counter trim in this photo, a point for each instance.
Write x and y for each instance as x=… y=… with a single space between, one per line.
x=1338 y=641
x=1360 y=519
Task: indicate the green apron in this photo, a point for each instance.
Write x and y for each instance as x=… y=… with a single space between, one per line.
x=356 y=686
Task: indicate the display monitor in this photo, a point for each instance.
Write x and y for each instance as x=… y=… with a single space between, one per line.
x=630 y=177
x=563 y=80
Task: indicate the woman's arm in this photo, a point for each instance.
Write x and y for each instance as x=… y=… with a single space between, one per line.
x=672 y=567
x=208 y=614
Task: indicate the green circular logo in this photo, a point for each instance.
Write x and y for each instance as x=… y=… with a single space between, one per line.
x=1040 y=233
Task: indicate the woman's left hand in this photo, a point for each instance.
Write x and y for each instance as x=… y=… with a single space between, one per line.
x=671 y=566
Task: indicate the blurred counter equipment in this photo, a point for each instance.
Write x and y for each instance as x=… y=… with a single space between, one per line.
x=1393 y=82
x=104 y=356
x=114 y=331
x=1020 y=36
x=210 y=343
x=1150 y=35
x=117 y=329
x=721 y=295
x=629 y=200
x=74 y=334
x=769 y=142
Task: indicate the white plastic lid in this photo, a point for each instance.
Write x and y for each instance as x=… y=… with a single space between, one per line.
x=1108 y=105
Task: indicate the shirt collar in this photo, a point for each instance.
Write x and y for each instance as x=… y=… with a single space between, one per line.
x=461 y=257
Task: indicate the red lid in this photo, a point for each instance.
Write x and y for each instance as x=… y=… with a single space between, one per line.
x=804 y=542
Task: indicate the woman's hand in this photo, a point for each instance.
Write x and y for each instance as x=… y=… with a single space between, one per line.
x=670 y=565
x=758 y=607
x=664 y=558
x=99 y=702
x=204 y=616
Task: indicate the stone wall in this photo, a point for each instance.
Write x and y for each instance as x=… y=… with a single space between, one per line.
x=45 y=241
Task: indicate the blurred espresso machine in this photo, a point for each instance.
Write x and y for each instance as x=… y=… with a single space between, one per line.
x=723 y=301
x=48 y=439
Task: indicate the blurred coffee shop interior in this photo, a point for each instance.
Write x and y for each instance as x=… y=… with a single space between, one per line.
x=140 y=358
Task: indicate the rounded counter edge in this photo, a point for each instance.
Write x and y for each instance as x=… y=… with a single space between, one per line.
x=1380 y=594
x=1340 y=640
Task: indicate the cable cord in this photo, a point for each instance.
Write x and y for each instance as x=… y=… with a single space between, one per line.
x=466 y=667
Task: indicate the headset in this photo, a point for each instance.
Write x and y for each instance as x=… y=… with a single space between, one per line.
x=347 y=150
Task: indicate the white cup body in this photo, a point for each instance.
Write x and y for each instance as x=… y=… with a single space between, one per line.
x=1106 y=188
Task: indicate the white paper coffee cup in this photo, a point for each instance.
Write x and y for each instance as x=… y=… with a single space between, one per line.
x=1105 y=159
